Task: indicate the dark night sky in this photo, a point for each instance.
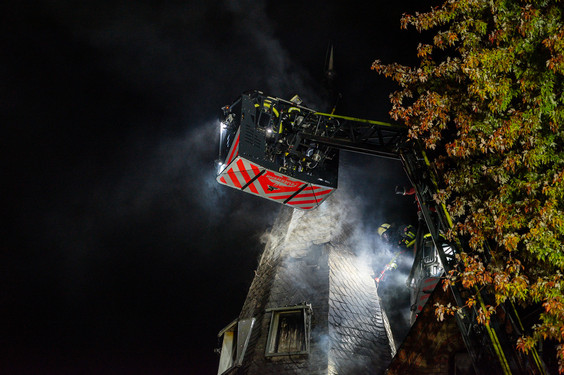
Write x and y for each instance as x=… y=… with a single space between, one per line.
x=121 y=254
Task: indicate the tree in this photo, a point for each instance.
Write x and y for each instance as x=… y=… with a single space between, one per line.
x=487 y=101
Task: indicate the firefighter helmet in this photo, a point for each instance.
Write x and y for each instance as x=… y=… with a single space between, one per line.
x=383 y=228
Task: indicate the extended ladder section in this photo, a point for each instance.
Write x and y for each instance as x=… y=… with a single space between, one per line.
x=357 y=135
x=491 y=345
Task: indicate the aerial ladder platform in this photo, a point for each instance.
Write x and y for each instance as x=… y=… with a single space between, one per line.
x=283 y=151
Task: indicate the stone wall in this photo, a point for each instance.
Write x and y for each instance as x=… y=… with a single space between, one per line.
x=432 y=347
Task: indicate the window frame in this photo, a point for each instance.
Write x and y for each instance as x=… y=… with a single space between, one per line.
x=237 y=341
x=274 y=330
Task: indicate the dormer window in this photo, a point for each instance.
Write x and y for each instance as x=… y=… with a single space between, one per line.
x=289 y=332
x=234 y=340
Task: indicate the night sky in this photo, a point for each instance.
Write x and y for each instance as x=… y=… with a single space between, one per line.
x=121 y=254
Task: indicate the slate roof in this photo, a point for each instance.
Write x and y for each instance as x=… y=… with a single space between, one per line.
x=307 y=260
x=359 y=341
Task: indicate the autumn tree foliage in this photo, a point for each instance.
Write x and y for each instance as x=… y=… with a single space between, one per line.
x=487 y=101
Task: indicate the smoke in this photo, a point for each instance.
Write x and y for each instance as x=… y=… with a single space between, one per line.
x=339 y=223
x=282 y=76
x=372 y=251
x=116 y=208
x=128 y=158
x=369 y=184
x=175 y=65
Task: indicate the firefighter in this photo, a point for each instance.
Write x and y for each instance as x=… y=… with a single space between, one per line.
x=403 y=236
x=407 y=236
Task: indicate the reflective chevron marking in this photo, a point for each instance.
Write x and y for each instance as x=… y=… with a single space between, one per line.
x=251 y=178
x=241 y=168
x=251 y=185
x=234 y=178
x=292 y=203
x=295 y=194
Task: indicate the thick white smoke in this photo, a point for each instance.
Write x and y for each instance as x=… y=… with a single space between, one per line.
x=116 y=206
x=339 y=222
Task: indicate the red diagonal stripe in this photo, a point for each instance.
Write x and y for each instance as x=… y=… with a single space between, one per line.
x=304 y=207
x=234 y=178
x=304 y=195
x=232 y=153
x=244 y=173
x=317 y=196
x=298 y=199
x=280 y=197
x=253 y=188
x=301 y=202
x=255 y=169
x=249 y=174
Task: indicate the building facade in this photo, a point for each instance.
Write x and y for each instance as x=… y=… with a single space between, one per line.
x=312 y=307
